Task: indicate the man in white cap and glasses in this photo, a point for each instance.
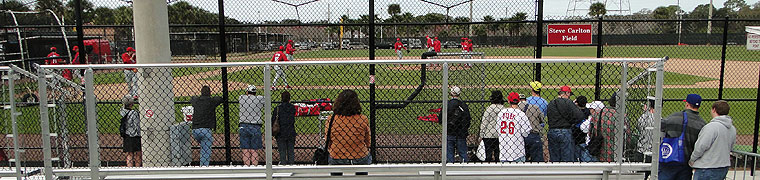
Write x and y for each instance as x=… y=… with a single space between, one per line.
x=251 y=106
x=458 y=124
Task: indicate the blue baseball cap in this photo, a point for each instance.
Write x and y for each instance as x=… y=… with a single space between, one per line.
x=693 y=99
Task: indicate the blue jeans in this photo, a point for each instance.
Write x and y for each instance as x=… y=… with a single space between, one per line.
x=710 y=173
x=366 y=160
x=561 y=145
x=204 y=138
x=250 y=136
x=534 y=148
x=584 y=155
x=460 y=143
x=674 y=171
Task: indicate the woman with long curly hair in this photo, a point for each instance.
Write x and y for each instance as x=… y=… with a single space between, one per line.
x=350 y=135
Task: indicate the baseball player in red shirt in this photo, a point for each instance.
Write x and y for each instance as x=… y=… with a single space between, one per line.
x=398 y=46
x=53 y=54
x=289 y=50
x=280 y=69
x=130 y=77
x=437 y=45
x=429 y=43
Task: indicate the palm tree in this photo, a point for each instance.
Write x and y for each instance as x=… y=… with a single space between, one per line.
x=597 y=10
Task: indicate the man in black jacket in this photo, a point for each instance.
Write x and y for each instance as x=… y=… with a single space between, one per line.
x=562 y=113
x=672 y=126
x=204 y=122
x=458 y=126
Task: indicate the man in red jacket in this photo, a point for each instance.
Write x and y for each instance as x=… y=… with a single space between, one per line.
x=397 y=47
x=280 y=69
x=429 y=43
x=289 y=50
x=53 y=54
x=437 y=45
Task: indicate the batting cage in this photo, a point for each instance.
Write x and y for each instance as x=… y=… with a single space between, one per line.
x=424 y=116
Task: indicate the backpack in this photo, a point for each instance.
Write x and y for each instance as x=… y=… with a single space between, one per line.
x=595 y=144
x=123 y=125
x=456 y=116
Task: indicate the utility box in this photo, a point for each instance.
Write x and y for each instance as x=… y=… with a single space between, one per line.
x=180 y=139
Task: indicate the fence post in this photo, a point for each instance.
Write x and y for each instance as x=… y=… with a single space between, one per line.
x=622 y=96
x=723 y=59
x=92 y=125
x=539 y=36
x=14 y=126
x=80 y=31
x=44 y=122
x=372 y=95
x=599 y=54
x=225 y=84
x=444 y=116
x=659 y=81
x=268 y=122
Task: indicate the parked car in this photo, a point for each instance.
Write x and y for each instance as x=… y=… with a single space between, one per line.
x=303 y=46
x=384 y=45
x=356 y=45
x=451 y=44
x=413 y=43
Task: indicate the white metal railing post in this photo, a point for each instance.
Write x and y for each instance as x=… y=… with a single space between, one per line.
x=92 y=124
x=44 y=122
x=658 y=93
x=622 y=96
x=12 y=76
x=267 y=119
x=444 y=117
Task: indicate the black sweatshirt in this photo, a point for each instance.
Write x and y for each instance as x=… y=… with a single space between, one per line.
x=562 y=113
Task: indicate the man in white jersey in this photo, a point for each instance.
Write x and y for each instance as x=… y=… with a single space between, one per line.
x=514 y=126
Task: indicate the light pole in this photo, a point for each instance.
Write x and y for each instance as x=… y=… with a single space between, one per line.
x=709 y=17
x=680 y=17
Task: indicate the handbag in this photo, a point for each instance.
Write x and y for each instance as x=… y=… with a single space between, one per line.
x=321 y=154
x=595 y=143
x=672 y=149
x=276 y=124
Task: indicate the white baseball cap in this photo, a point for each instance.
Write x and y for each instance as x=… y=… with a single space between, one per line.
x=596 y=105
x=127 y=99
x=455 y=90
x=251 y=88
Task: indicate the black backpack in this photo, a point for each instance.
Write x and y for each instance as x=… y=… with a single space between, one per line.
x=595 y=145
x=123 y=125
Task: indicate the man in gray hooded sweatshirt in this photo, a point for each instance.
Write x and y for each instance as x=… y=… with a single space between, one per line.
x=712 y=151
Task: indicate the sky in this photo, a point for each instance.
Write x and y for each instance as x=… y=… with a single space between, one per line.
x=262 y=10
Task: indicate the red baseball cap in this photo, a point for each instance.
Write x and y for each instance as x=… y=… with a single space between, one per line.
x=436 y=37
x=53 y=48
x=513 y=97
x=290 y=40
x=566 y=89
x=75 y=48
x=282 y=48
x=130 y=49
x=398 y=39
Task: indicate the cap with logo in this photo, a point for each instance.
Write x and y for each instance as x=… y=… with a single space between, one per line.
x=693 y=99
x=513 y=97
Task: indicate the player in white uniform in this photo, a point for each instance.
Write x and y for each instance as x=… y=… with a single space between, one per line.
x=514 y=126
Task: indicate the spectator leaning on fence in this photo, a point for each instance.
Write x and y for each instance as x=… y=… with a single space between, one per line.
x=604 y=123
x=645 y=139
x=132 y=140
x=561 y=114
x=673 y=126
x=350 y=135
x=204 y=122
x=250 y=125
x=580 y=131
x=285 y=115
x=513 y=127
x=534 y=145
x=712 y=151
x=489 y=121
x=458 y=124
x=130 y=78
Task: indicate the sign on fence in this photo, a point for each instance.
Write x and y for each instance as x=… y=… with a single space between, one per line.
x=753 y=37
x=568 y=34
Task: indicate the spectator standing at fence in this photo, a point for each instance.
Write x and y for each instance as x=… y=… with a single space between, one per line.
x=673 y=126
x=204 y=122
x=250 y=125
x=604 y=123
x=488 y=124
x=429 y=44
x=712 y=151
x=535 y=96
x=350 y=136
x=534 y=145
x=289 y=50
x=580 y=132
x=562 y=113
x=53 y=54
x=513 y=127
x=280 y=69
x=130 y=77
x=132 y=139
x=284 y=115
x=645 y=139
x=458 y=124
x=397 y=47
